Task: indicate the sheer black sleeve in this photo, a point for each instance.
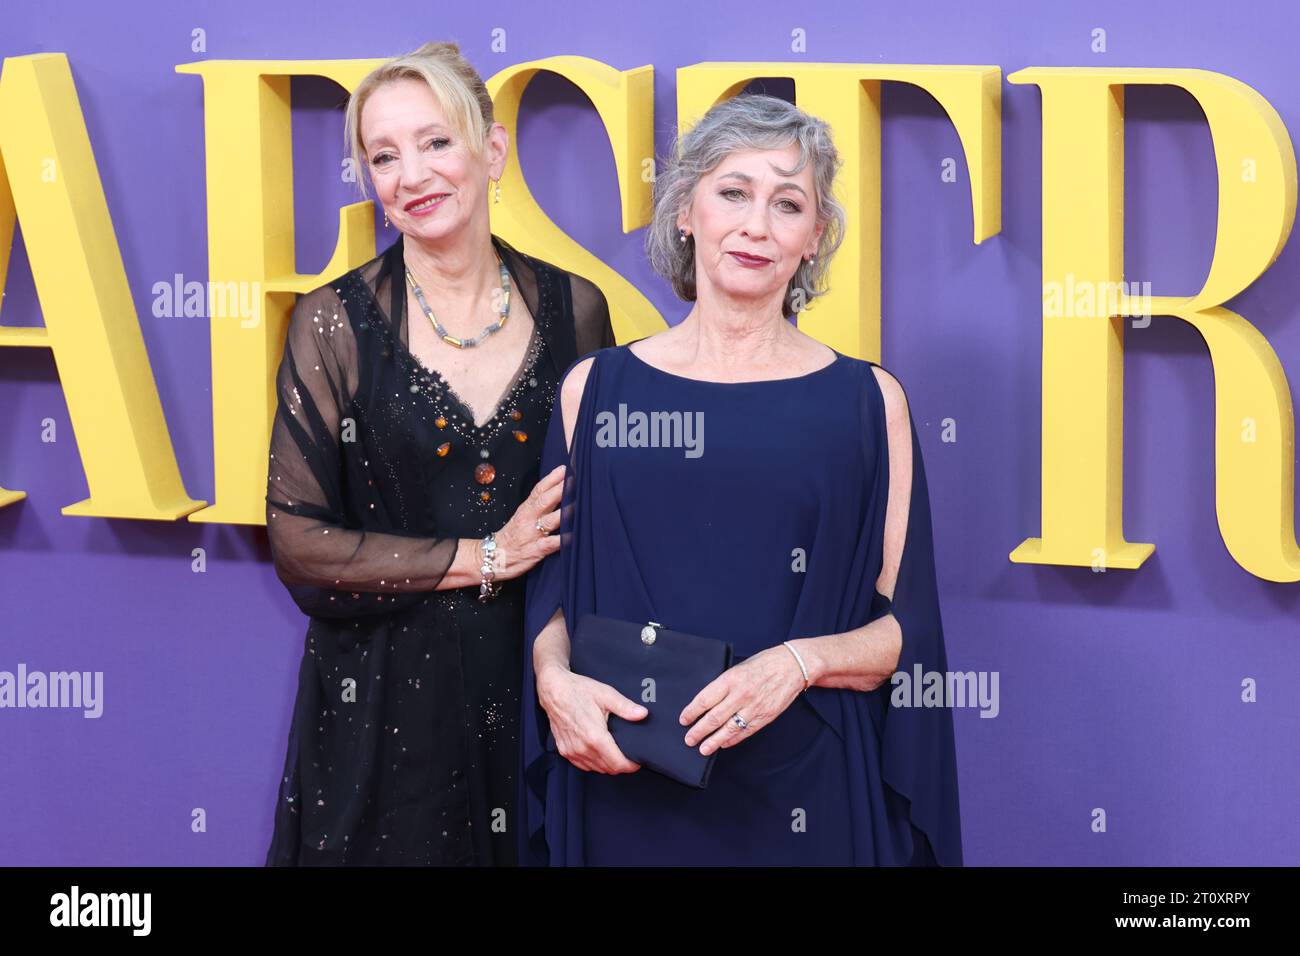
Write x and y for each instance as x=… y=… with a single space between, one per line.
x=591 y=324
x=331 y=566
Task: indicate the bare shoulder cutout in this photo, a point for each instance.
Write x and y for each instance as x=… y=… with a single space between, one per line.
x=899 y=430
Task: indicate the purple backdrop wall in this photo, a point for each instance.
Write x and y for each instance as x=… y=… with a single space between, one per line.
x=1118 y=690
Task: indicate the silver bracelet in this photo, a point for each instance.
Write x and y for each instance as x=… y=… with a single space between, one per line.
x=487 y=585
x=801 y=667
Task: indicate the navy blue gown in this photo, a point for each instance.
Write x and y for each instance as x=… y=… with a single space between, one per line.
x=769 y=528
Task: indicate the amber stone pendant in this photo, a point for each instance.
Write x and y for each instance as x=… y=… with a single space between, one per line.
x=443 y=449
x=520 y=436
x=516 y=414
x=484 y=474
x=485 y=495
x=440 y=422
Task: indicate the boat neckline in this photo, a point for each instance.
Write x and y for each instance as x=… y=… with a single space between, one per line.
x=839 y=357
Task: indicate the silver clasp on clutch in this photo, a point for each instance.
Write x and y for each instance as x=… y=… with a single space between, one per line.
x=648 y=632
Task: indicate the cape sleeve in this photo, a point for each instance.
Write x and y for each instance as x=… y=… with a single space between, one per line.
x=918 y=749
x=554 y=583
x=551 y=585
x=331 y=567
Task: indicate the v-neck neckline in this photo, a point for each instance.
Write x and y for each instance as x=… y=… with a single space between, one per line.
x=463 y=408
x=398 y=310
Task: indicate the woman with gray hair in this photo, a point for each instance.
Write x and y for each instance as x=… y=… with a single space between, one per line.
x=799 y=533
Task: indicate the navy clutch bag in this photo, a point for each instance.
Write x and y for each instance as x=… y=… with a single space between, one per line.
x=625 y=654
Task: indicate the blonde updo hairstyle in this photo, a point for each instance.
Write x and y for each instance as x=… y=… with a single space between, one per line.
x=455 y=84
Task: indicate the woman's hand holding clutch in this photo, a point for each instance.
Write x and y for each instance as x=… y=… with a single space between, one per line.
x=579 y=710
x=759 y=689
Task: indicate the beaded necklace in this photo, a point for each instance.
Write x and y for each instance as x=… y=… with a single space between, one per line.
x=446 y=336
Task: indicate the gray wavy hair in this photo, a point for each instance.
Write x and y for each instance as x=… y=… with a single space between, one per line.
x=747 y=121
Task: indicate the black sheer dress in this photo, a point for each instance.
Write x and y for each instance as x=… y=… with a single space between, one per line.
x=404 y=744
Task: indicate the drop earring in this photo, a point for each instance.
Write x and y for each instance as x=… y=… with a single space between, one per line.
x=682 y=234
x=386 y=219
x=496 y=194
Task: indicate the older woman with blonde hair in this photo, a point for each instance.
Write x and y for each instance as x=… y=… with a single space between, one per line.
x=796 y=529
x=403 y=496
